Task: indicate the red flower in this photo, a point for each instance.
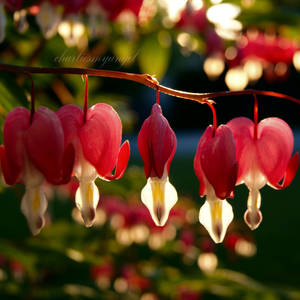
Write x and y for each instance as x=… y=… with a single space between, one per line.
x=270 y=49
x=216 y=168
x=97 y=144
x=33 y=152
x=157 y=145
x=186 y=293
x=49 y=17
x=104 y=270
x=264 y=157
x=193 y=18
x=135 y=281
x=115 y=7
x=13 y=5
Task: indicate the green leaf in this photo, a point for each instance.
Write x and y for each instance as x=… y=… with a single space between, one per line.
x=154 y=57
x=11 y=94
x=13 y=252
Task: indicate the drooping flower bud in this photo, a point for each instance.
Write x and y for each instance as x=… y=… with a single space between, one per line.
x=216 y=168
x=157 y=146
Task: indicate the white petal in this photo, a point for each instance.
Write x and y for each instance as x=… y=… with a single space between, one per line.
x=255 y=179
x=159 y=196
x=216 y=215
x=33 y=206
x=48 y=19
x=20 y=20
x=71 y=29
x=83 y=170
x=31 y=176
x=86 y=199
x=253 y=216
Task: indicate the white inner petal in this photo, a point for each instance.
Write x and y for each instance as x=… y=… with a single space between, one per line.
x=87 y=194
x=33 y=206
x=48 y=19
x=83 y=170
x=216 y=215
x=86 y=199
x=255 y=179
x=159 y=196
x=253 y=216
x=34 y=202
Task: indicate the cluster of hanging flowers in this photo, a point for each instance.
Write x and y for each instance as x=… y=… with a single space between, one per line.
x=241 y=151
x=46 y=146
x=49 y=146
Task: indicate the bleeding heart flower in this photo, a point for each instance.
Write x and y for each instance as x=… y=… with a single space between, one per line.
x=115 y=7
x=32 y=152
x=13 y=5
x=76 y=7
x=157 y=145
x=216 y=168
x=97 y=145
x=48 y=18
x=193 y=17
x=263 y=153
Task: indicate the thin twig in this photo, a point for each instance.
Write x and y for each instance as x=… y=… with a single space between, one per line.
x=144 y=79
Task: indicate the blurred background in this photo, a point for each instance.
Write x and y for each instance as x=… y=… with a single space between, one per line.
x=192 y=45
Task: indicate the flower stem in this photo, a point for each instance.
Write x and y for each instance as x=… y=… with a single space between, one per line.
x=28 y=74
x=144 y=79
x=32 y=103
x=213 y=110
x=86 y=97
x=255 y=116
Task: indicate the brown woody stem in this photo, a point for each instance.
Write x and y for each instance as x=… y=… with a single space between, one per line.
x=144 y=79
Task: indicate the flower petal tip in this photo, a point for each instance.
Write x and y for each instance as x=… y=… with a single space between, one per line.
x=33 y=206
x=88 y=216
x=39 y=224
x=215 y=216
x=159 y=196
x=86 y=199
x=253 y=218
x=122 y=162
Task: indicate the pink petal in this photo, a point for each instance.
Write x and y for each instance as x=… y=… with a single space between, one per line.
x=197 y=161
x=243 y=132
x=16 y=123
x=274 y=148
x=44 y=142
x=290 y=173
x=71 y=117
x=100 y=138
x=67 y=164
x=156 y=143
x=9 y=175
x=218 y=162
x=270 y=153
x=122 y=162
x=134 y=6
